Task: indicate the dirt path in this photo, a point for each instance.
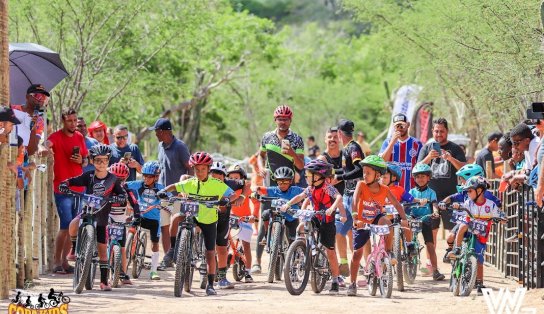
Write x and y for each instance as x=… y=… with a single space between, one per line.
x=145 y=296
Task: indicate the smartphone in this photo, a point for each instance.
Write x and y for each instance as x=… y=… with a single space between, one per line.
x=436 y=146
x=75 y=150
x=285 y=143
x=538 y=107
x=127 y=155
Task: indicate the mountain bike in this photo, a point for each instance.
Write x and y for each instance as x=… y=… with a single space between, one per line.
x=378 y=270
x=236 y=256
x=410 y=263
x=306 y=255
x=116 y=232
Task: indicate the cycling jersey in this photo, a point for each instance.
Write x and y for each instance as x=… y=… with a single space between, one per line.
x=423 y=193
x=244 y=209
x=404 y=155
x=289 y=194
x=401 y=194
x=352 y=154
x=118 y=211
x=484 y=211
x=370 y=205
x=322 y=198
x=337 y=163
x=271 y=144
x=209 y=190
x=147 y=198
x=463 y=196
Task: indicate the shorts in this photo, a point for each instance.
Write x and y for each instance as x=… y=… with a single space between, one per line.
x=327 y=233
x=209 y=232
x=245 y=232
x=344 y=228
x=153 y=227
x=102 y=236
x=223 y=227
x=361 y=237
x=66 y=208
x=427 y=228
x=291 y=227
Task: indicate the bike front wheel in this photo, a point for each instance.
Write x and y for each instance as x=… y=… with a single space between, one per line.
x=409 y=268
x=115 y=265
x=84 y=258
x=296 y=271
x=274 y=250
x=182 y=261
x=372 y=280
x=386 y=279
x=398 y=248
x=468 y=276
x=139 y=256
x=320 y=272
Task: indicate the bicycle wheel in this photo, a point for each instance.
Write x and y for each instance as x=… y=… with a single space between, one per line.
x=238 y=269
x=115 y=265
x=65 y=299
x=371 y=279
x=468 y=276
x=203 y=267
x=279 y=266
x=84 y=258
x=454 y=279
x=274 y=250
x=139 y=256
x=386 y=280
x=296 y=269
x=129 y=250
x=182 y=261
x=92 y=276
x=320 y=272
x=398 y=247
x=409 y=267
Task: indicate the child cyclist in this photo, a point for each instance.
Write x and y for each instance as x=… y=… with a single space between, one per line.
x=466 y=172
x=146 y=193
x=426 y=196
x=101 y=183
x=284 y=177
x=481 y=208
x=370 y=197
x=202 y=186
x=323 y=196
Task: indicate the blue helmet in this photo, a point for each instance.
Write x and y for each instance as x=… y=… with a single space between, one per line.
x=470 y=170
x=394 y=170
x=421 y=168
x=151 y=168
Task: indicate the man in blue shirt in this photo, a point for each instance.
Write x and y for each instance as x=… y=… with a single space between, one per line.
x=125 y=153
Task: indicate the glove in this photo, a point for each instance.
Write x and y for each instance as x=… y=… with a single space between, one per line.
x=162 y=194
x=223 y=202
x=118 y=199
x=136 y=221
x=63 y=188
x=442 y=205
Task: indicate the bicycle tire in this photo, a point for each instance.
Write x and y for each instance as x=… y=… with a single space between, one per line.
x=84 y=260
x=296 y=250
x=187 y=285
x=409 y=267
x=90 y=280
x=320 y=272
x=372 y=281
x=238 y=269
x=129 y=250
x=181 y=262
x=468 y=278
x=53 y=303
x=115 y=265
x=386 y=280
x=397 y=250
x=276 y=238
x=65 y=299
x=279 y=266
x=203 y=263
x=454 y=281
x=140 y=254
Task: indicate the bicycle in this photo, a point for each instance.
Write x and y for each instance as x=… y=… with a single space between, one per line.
x=116 y=231
x=236 y=256
x=378 y=266
x=86 y=246
x=136 y=246
x=410 y=263
x=465 y=265
x=306 y=256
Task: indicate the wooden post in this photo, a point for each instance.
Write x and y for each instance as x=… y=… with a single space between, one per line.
x=29 y=219
x=36 y=222
x=52 y=217
x=21 y=245
x=489 y=171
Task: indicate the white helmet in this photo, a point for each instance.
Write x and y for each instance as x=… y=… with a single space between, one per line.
x=219 y=167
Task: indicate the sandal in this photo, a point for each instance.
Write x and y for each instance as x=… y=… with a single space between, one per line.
x=59 y=270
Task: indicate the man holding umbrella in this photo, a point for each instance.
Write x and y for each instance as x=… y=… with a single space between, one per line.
x=30 y=115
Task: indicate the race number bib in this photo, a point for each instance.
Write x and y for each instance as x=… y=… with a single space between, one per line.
x=379 y=229
x=277 y=203
x=116 y=232
x=479 y=227
x=304 y=215
x=92 y=201
x=458 y=217
x=189 y=208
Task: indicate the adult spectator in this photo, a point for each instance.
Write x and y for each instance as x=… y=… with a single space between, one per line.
x=30 y=115
x=125 y=153
x=313 y=149
x=402 y=150
x=352 y=154
x=444 y=160
x=486 y=154
x=174 y=162
x=281 y=147
x=505 y=152
x=362 y=142
x=7 y=121
x=98 y=131
x=525 y=141
x=70 y=156
x=89 y=141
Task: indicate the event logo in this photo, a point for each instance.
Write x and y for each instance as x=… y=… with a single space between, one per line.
x=26 y=303
x=505 y=301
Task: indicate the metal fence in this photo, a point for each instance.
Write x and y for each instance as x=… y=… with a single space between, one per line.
x=516 y=248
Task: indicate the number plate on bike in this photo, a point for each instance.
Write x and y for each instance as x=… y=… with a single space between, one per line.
x=304 y=215
x=415 y=225
x=116 y=232
x=277 y=203
x=458 y=217
x=479 y=227
x=92 y=201
x=233 y=222
x=379 y=229
x=189 y=208
x=390 y=210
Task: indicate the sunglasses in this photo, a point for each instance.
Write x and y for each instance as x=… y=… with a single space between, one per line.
x=123 y=137
x=283 y=181
x=400 y=126
x=101 y=161
x=39 y=97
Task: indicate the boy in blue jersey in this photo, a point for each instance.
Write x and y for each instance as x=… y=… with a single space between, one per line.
x=146 y=192
x=423 y=194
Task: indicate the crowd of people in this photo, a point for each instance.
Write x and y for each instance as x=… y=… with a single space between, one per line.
x=346 y=179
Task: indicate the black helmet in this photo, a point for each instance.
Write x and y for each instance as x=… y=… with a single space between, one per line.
x=237 y=169
x=284 y=173
x=319 y=166
x=100 y=150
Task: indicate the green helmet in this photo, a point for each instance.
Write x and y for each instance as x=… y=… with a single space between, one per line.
x=421 y=168
x=375 y=162
x=470 y=170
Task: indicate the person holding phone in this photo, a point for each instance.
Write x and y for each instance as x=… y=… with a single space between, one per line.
x=128 y=154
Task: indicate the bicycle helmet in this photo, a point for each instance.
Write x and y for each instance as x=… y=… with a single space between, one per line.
x=200 y=158
x=237 y=169
x=476 y=182
x=119 y=170
x=218 y=166
x=284 y=173
x=394 y=170
x=320 y=167
x=283 y=111
x=375 y=162
x=151 y=168
x=421 y=168
x=100 y=150
x=470 y=170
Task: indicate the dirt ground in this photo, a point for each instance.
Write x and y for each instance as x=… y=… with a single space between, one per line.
x=145 y=296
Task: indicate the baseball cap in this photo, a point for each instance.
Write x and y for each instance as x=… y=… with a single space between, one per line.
x=7 y=114
x=346 y=126
x=161 y=124
x=37 y=88
x=400 y=117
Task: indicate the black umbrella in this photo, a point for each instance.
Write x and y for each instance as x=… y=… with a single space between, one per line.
x=32 y=64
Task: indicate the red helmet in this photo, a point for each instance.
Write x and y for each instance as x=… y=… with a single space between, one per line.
x=200 y=158
x=283 y=111
x=119 y=170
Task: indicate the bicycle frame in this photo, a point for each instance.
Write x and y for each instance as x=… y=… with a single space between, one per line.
x=376 y=254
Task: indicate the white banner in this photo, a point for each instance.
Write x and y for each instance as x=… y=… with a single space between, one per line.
x=405 y=102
